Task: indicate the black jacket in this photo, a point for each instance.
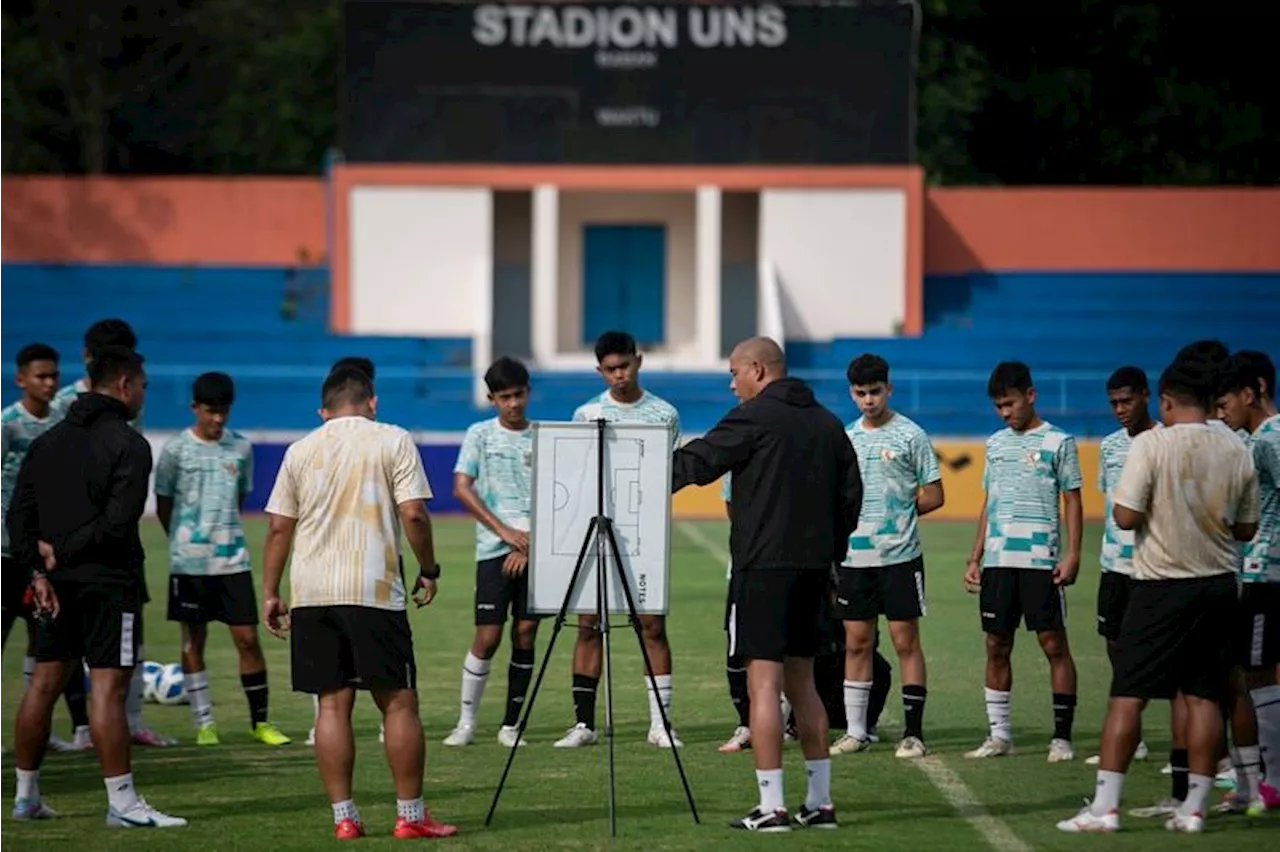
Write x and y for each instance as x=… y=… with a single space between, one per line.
x=796 y=490
x=82 y=488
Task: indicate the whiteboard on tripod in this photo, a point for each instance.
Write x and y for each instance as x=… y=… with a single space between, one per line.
x=636 y=489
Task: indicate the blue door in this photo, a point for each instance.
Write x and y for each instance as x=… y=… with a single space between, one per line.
x=624 y=281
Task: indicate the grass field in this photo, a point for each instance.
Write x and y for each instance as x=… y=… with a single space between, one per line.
x=246 y=796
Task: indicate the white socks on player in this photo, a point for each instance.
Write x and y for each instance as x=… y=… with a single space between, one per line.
x=770 y=783
x=998 y=714
x=1266 y=705
x=28 y=785
x=785 y=708
x=819 y=791
x=411 y=810
x=346 y=809
x=120 y=793
x=1247 y=761
x=475 y=674
x=133 y=702
x=659 y=702
x=1107 y=797
x=1198 y=787
x=857 y=695
x=28 y=669
x=197 y=686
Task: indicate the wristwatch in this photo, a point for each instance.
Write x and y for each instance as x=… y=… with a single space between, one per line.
x=433 y=574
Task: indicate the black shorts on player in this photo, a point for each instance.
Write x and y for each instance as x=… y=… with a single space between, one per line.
x=1258 y=631
x=777 y=613
x=342 y=647
x=228 y=598
x=1010 y=596
x=100 y=622
x=1114 y=589
x=894 y=591
x=1171 y=640
x=497 y=594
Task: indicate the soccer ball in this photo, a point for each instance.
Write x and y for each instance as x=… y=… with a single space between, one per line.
x=151 y=673
x=169 y=685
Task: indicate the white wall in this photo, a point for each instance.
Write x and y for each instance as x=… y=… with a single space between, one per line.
x=841 y=259
x=421 y=261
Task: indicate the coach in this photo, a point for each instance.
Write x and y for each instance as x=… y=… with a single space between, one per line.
x=796 y=496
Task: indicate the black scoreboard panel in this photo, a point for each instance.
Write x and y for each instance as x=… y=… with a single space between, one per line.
x=557 y=82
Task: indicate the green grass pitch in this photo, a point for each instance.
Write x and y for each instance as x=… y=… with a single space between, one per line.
x=243 y=795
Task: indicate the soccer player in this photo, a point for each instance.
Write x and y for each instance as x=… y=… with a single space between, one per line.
x=202 y=478
x=624 y=401
x=883 y=572
x=1032 y=472
x=493 y=479
x=343 y=495
x=1191 y=494
x=1130 y=398
x=20 y=424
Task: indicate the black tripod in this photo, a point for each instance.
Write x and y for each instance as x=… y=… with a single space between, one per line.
x=601 y=531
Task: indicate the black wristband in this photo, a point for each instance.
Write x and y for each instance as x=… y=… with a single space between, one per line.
x=433 y=574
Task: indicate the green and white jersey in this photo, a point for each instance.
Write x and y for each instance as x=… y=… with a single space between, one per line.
x=649 y=408
x=1117 y=544
x=19 y=428
x=500 y=461
x=206 y=481
x=1262 y=554
x=1024 y=477
x=65 y=396
x=896 y=461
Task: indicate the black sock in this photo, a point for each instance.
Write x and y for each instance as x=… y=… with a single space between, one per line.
x=1064 y=715
x=881 y=685
x=519 y=673
x=77 y=701
x=735 y=670
x=913 y=710
x=1178 y=761
x=584 y=699
x=255 y=690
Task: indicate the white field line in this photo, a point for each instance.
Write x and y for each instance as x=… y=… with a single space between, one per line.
x=958 y=794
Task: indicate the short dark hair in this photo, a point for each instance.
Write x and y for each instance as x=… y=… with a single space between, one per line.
x=615 y=343
x=1208 y=362
x=364 y=365
x=1009 y=376
x=1214 y=350
x=345 y=386
x=1262 y=366
x=36 y=352
x=215 y=390
x=1130 y=377
x=506 y=374
x=1191 y=381
x=112 y=363
x=867 y=369
x=1240 y=375
x=109 y=332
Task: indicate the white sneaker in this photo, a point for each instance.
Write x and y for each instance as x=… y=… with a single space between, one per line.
x=509 y=736
x=1167 y=769
x=576 y=737
x=1140 y=753
x=57 y=743
x=911 y=748
x=658 y=737
x=1061 y=751
x=873 y=735
x=142 y=815
x=1163 y=808
x=991 y=747
x=1192 y=824
x=32 y=809
x=311 y=737
x=462 y=735
x=740 y=741
x=1087 y=822
x=82 y=740
x=848 y=744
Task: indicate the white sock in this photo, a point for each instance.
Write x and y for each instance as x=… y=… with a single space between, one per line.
x=28 y=785
x=857 y=695
x=998 y=714
x=1106 y=799
x=819 y=790
x=133 y=702
x=1198 y=787
x=785 y=707
x=197 y=686
x=1266 y=706
x=28 y=669
x=120 y=792
x=411 y=810
x=770 y=783
x=475 y=674
x=346 y=809
x=660 y=700
x=1247 y=761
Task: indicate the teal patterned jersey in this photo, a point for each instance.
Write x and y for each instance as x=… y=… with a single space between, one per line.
x=649 y=408
x=1117 y=544
x=1024 y=477
x=206 y=481
x=19 y=428
x=1262 y=554
x=896 y=461
x=65 y=396
x=500 y=461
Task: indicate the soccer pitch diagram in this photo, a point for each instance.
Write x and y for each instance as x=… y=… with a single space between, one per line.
x=574 y=473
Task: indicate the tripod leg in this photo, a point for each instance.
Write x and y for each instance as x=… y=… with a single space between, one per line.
x=602 y=610
x=625 y=583
x=546 y=658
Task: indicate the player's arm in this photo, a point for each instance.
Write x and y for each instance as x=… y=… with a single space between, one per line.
x=411 y=491
x=1132 y=496
x=282 y=521
x=245 y=485
x=1249 y=512
x=704 y=460
x=126 y=498
x=1067 y=469
x=167 y=472
x=464 y=490
x=973 y=565
x=928 y=475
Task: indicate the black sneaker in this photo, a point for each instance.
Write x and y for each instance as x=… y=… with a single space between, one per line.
x=823 y=817
x=758 y=820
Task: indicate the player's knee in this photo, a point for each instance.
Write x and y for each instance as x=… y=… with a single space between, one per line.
x=523 y=635
x=654 y=630
x=859 y=638
x=246 y=640
x=588 y=635
x=906 y=638
x=488 y=640
x=999 y=645
x=1054 y=644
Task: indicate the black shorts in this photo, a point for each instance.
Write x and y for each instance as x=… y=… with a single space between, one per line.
x=1172 y=639
x=1113 y=598
x=101 y=622
x=775 y=614
x=1010 y=596
x=894 y=591
x=1258 y=643
x=228 y=598
x=341 y=647
x=496 y=594
x=13 y=590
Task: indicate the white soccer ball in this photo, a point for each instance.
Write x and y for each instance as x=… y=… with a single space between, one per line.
x=151 y=673
x=169 y=686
